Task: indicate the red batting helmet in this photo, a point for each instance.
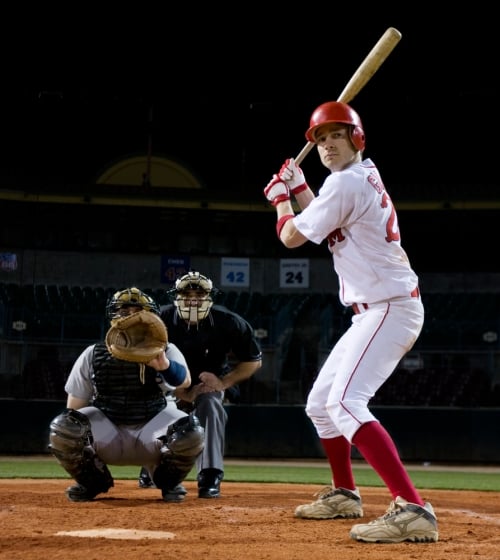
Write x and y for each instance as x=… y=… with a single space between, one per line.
x=337 y=112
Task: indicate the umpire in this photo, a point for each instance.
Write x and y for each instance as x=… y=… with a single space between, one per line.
x=221 y=351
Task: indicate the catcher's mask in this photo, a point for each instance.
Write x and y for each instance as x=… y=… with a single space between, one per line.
x=130 y=297
x=337 y=112
x=193 y=296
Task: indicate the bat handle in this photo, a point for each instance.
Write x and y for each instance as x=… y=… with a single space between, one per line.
x=303 y=153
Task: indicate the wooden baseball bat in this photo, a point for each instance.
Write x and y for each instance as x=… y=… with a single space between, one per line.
x=363 y=74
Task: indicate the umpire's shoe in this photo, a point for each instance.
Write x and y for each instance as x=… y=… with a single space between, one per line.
x=209 y=483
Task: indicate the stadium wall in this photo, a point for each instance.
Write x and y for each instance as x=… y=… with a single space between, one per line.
x=423 y=434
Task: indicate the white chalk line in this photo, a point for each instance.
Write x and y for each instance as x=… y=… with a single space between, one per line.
x=471 y=513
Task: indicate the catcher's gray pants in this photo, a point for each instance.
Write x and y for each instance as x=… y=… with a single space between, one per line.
x=213 y=417
x=136 y=444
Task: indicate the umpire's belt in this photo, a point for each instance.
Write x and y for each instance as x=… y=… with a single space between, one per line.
x=361 y=307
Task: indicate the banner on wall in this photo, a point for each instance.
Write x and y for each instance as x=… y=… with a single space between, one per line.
x=172 y=267
x=294 y=273
x=235 y=272
x=8 y=261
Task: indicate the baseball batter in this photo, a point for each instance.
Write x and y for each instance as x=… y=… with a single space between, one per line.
x=353 y=212
x=117 y=414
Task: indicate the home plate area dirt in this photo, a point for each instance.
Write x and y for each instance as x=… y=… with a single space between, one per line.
x=248 y=521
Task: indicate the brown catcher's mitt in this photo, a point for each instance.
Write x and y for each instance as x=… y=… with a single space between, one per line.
x=139 y=337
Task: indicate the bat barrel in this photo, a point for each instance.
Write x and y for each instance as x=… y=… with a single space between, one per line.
x=372 y=62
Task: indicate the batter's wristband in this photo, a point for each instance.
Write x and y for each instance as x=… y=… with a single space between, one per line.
x=281 y=222
x=300 y=188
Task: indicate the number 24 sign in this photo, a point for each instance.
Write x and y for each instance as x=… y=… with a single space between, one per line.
x=294 y=273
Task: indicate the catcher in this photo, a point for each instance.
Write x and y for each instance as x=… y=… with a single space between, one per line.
x=117 y=412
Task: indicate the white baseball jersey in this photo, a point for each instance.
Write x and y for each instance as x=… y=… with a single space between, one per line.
x=355 y=214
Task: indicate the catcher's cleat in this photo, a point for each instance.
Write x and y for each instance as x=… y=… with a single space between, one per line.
x=175 y=494
x=332 y=503
x=209 y=483
x=79 y=493
x=403 y=521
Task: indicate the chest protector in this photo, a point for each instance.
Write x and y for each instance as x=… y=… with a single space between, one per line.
x=120 y=392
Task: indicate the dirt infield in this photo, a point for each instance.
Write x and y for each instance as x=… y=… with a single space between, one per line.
x=249 y=521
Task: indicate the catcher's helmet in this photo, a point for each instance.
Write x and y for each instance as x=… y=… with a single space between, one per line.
x=130 y=297
x=337 y=112
x=193 y=309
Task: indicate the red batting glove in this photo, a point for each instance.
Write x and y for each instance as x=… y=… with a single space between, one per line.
x=293 y=176
x=277 y=191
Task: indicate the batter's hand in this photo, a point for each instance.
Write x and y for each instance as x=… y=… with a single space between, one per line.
x=293 y=176
x=277 y=191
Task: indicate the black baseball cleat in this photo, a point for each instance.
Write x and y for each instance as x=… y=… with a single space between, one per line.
x=79 y=493
x=175 y=494
x=145 y=480
x=209 y=483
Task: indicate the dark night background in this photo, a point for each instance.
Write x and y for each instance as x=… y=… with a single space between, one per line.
x=229 y=92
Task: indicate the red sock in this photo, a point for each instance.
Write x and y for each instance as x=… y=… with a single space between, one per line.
x=338 y=452
x=378 y=448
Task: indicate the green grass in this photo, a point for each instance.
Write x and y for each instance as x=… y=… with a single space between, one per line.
x=453 y=479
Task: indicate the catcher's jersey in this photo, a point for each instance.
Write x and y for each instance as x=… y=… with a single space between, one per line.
x=217 y=338
x=81 y=383
x=354 y=213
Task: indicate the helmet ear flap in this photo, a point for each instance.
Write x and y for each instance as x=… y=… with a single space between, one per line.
x=357 y=137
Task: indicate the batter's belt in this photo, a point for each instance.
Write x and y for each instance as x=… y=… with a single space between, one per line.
x=360 y=307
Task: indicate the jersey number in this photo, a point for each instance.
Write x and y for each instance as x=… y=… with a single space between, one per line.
x=391 y=227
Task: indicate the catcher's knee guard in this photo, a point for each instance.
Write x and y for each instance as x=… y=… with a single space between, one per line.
x=181 y=445
x=71 y=444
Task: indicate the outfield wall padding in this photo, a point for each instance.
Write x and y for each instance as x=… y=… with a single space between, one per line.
x=433 y=434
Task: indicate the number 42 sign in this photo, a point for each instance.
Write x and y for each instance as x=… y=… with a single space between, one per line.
x=294 y=273
x=235 y=272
